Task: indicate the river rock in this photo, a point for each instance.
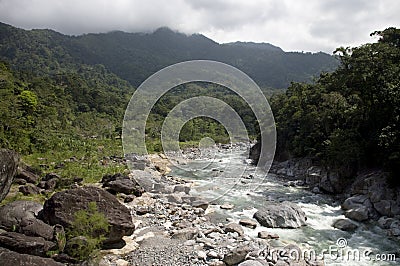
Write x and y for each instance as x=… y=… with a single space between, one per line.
x=345 y=225
x=248 y=223
x=26 y=244
x=8 y=257
x=21 y=216
x=8 y=167
x=62 y=206
x=358 y=214
x=237 y=255
x=186 y=233
x=29 y=189
x=28 y=174
x=267 y=235
x=384 y=207
x=234 y=228
x=355 y=202
x=281 y=215
x=227 y=206
x=120 y=183
x=385 y=222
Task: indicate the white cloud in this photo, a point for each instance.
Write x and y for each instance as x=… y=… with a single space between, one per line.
x=308 y=25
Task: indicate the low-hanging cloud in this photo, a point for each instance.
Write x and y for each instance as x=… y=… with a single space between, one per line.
x=309 y=25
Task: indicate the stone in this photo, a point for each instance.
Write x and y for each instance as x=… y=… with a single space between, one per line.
x=385 y=222
x=355 y=202
x=8 y=257
x=200 y=204
x=22 y=216
x=119 y=183
x=9 y=161
x=28 y=174
x=395 y=228
x=358 y=214
x=49 y=176
x=345 y=225
x=19 y=181
x=26 y=244
x=51 y=184
x=237 y=255
x=281 y=215
x=62 y=206
x=181 y=188
x=213 y=254
x=267 y=235
x=227 y=206
x=383 y=207
x=29 y=189
x=201 y=255
x=186 y=233
x=234 y=228
x=248 y=223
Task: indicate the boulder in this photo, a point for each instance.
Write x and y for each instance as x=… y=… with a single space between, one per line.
x=345 y=225
x=21 y=216
x=383 y=207
x=8 y=167
x=281 y=215
x=355 y=202
x=119 y=183
x=8 y=257
x=234 y=228
x=385 y=222
x=29 y=189
x=181 y=188
x=28 y=174
x=395 y=228
x=358 y=214
x=237 y=255
x=62 y=206
x=26 y=244
x=248 y=223
x=267 y=235
x=186 y=233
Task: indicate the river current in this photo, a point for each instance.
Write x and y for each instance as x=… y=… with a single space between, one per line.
x=226 y=176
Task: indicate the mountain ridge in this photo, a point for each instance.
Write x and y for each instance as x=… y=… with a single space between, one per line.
x=135 y=56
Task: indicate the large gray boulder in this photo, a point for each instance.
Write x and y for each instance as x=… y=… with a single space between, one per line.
x=22 y=216
x=20 y=243
x=281 y=215
x=345 y=225
x=62 y=206
x=8 y=257
x=9 y=161
x=120 y=183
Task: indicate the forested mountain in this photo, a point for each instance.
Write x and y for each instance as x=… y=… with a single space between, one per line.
x=350 y=118
x=135 y=56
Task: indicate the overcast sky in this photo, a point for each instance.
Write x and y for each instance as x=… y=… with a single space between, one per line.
x=293 y=25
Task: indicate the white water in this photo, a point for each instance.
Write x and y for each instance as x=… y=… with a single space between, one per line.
x=219 y=180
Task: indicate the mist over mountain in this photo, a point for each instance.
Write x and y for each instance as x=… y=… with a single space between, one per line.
x=135 y=56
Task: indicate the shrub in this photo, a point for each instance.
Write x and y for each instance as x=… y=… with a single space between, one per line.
x=87 y=232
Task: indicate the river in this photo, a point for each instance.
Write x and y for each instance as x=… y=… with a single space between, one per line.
x=219 y=178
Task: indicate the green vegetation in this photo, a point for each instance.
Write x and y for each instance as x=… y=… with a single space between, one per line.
x=87 y=231
x=348 y=119
x=136 y=56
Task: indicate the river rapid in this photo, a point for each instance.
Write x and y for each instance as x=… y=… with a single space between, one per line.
x=226 y=176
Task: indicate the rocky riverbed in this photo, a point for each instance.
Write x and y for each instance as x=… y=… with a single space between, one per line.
x=154 y=220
